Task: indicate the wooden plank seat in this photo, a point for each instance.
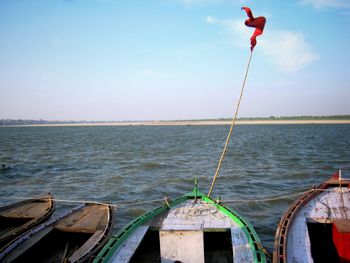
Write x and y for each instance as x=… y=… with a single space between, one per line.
x=27 y=210
x=87 y=220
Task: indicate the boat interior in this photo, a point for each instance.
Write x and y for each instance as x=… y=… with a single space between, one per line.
x=189 y=232
x=21 y=216
x=9 y=224
x=215 y=250
x=56 y=246
x=70 y=238
x=329 y=240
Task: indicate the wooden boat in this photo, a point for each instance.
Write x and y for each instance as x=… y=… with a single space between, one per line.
x=191 y=228
x=316 y=227
x=73 y=237
x=17 y=218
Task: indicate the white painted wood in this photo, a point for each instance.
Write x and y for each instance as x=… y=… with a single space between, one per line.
x=333 y=203
x=183 y=246
x=181 y=235
x=240 y=246
x=128 y=248
x=196 y=215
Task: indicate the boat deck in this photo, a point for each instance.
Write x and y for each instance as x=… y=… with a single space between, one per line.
x=27 y=210
x=330 y=205
x=196 y=216
x=186 y=232
x=87 y=220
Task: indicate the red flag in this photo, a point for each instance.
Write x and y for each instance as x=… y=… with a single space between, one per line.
x=258 y=23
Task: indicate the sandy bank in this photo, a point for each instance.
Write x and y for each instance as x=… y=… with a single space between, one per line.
x=194 y=122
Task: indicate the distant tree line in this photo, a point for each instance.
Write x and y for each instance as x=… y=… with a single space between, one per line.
x=12 y=122
x=306 y=117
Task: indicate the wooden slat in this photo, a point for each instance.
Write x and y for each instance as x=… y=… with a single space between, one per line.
x=330 y=205
x=87 y=246
x=128 y=248
x=28 y=210
x=87 y=220
x=196 y=216
x=241 y=249
x=182 y=246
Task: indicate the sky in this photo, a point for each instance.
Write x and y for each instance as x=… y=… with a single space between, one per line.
x=115 y=60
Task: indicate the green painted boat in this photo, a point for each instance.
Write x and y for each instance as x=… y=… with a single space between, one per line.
x=191 y=228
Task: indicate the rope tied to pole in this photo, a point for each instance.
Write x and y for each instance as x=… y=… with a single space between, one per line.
x=231 y=127
x=166 y=200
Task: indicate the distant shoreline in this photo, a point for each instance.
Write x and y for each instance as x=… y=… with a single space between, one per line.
x=187 y=123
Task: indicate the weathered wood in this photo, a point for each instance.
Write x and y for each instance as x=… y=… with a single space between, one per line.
x=78 y=219
x=196 y=215
x=182 y=246
x=127 y=250
x=27 y=210
x=240 y=246
x=328 y=204
x=182 y=231
x=22 y=216
x=87 y=246
x=157 y=221
x=87 y=220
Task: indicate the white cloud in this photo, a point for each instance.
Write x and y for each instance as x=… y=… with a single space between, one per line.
x=287 y=50
x=211 y=20
x=326 y=3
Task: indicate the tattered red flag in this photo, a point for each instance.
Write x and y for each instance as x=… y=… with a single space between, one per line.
x=258 y=23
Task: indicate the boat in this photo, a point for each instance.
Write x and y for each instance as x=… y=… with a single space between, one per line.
x=75 y=236
x=316 y=227
x=20 y=217
x=191 y=228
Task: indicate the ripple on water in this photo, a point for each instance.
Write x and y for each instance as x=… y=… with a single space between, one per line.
x=127 y=164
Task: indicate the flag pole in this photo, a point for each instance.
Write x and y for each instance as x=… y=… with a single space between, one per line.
x=232 y=126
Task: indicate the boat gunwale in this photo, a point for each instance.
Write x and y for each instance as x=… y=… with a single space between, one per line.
x=292 y=211
x=103 y=239
x=107 y=252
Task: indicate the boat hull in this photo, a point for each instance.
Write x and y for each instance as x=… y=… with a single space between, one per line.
x=20 y=217
x=191 y=228
x=307 y=231
x=76 y=236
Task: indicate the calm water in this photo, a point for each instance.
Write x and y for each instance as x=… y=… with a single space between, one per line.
x=125 y=164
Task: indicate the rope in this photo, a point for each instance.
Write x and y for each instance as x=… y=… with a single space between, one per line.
x=231 y=128
x=125 y=204
x=275 y=198
x=95 y=202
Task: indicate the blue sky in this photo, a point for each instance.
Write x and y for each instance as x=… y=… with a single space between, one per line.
x=171 y=59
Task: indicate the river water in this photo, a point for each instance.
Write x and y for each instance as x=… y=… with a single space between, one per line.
x=120 y=165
